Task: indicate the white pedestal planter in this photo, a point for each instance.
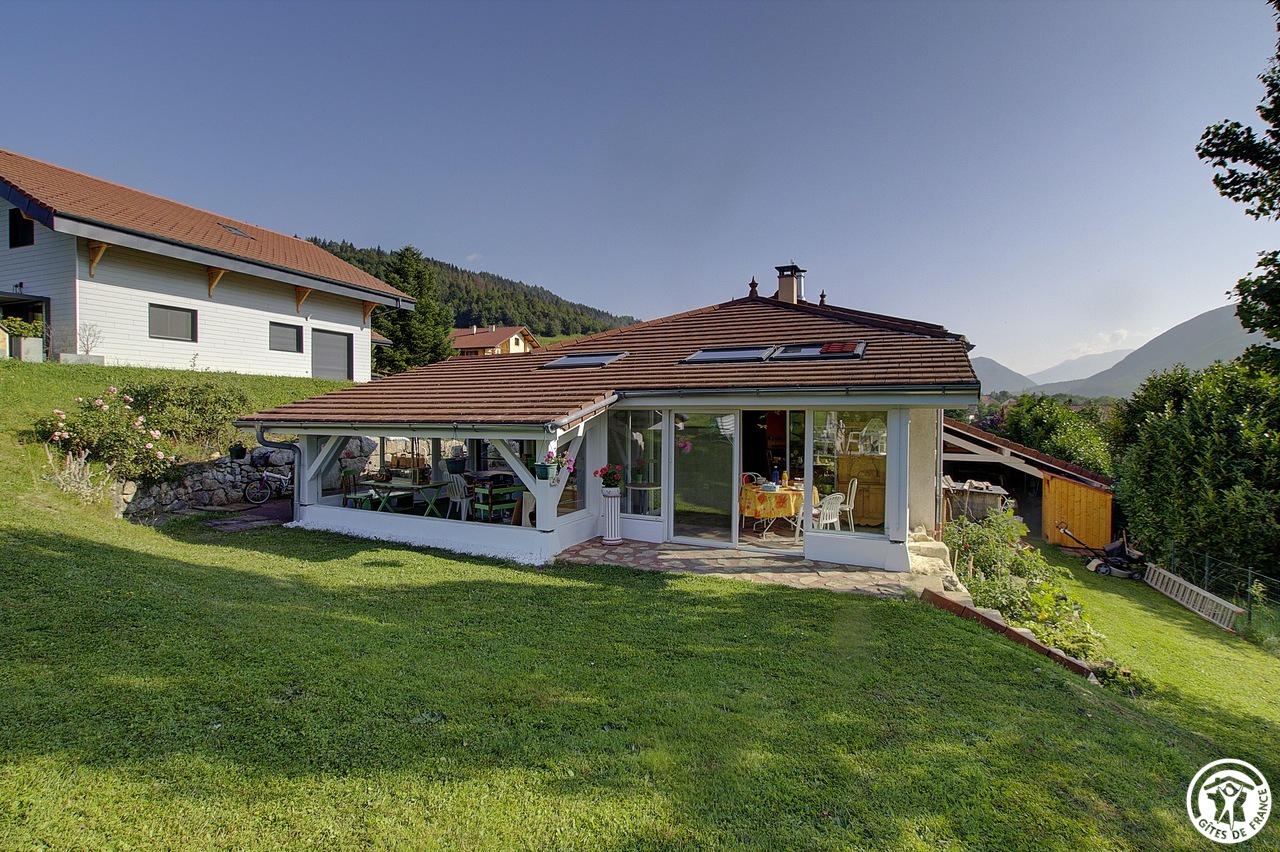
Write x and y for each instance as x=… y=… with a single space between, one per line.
x=612 y=515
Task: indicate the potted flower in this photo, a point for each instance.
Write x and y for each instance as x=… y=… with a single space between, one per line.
x=610 y=476
x=549 y=467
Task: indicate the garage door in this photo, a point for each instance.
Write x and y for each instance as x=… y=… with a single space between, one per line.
x=330 y=355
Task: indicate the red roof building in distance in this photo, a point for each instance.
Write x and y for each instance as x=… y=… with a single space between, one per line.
x=493 y=340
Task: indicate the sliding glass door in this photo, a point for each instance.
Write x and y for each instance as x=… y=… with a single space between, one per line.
x=703 y=451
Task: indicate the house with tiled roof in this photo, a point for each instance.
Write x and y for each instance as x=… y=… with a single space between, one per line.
x=700 y=413
x=493 y=340
x=124 y=277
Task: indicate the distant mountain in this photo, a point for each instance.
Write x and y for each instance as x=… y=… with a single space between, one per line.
x=997 y=377
x=1215 y=335
x=1079 y=368
x=482 y=298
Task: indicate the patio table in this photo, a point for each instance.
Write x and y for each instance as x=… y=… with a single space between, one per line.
x=384 y=494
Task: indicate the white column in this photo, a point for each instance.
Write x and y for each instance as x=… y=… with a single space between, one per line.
x=897 y=478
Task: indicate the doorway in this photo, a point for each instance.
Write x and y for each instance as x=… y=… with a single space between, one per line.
x=704 y=472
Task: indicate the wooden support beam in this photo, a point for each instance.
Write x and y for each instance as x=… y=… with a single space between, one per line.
x=300 y=295
x=96 y=250
x=215 y=275
x=368 y=309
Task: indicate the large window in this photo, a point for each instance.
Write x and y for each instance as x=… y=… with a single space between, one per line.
x=168 y=323
x=635 y=442
x=22 y=231
x=850 y=451
x=574 y=497
x=284 y=338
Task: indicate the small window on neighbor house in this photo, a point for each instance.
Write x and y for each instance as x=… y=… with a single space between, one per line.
x=585 y=359
x=22 y=231
x=819 y=351
x=285 y=338
x=729 y=354
x=168 y=323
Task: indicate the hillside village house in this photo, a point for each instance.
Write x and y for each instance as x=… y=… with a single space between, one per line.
x=494 y=340
x=690 y=406
x=145 y=281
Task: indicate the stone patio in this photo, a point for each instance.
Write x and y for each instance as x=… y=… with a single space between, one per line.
x=744 y=565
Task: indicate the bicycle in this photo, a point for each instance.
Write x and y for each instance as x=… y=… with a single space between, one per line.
x=258 y=490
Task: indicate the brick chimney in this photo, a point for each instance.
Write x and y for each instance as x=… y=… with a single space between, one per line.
x=790 y=283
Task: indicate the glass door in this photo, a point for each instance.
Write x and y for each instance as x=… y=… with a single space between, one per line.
x=703 y=452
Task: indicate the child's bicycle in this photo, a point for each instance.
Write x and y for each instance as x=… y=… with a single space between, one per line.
x=258 y=490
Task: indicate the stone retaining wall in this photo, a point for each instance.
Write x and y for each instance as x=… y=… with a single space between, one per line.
x=221 y=481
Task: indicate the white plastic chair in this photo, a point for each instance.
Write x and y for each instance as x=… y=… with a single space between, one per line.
x=459 y=495
x=847 y=508
x=828 y=512
x=527 y=504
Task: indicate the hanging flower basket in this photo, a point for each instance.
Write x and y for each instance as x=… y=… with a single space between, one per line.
x=545 y=471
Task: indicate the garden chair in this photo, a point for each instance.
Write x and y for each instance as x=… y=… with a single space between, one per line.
x=459 y=495
x=847 y=508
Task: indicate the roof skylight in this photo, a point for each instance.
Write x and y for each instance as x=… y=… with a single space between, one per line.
x=820 y=351
x=584 y=359
x=729 y=354
x=233 y=229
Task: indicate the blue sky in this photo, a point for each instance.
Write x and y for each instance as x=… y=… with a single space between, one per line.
x=1021 y=172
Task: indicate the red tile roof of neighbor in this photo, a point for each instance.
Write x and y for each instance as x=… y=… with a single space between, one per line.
x=61 y=193
x=516 y=390
x=483 y=338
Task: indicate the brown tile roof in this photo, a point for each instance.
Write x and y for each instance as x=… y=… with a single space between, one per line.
x=462 y=338
x=48 y=192
x=1037 y=458
x=516 y=390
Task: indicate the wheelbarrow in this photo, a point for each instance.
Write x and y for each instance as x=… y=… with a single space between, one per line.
x=1117 y=558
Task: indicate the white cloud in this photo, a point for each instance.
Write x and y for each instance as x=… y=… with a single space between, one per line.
x=1106 y=341
x=474 y=256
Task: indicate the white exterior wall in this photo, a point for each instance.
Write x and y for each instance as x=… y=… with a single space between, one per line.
x=923 y=469
x=47 y=268
x=231 y=327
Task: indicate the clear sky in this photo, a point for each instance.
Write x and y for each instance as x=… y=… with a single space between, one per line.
x=1022 y=172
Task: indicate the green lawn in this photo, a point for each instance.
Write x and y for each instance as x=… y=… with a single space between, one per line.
x=186 y=688
x=1209 y=680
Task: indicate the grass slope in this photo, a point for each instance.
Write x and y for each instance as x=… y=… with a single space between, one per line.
x=1208 y=680
x=183 y=688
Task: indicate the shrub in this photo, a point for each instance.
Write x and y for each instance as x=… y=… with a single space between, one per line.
x=21 y=328
x=1003 y=573
x=75 y=475
x=193 y=412
x=109 y=429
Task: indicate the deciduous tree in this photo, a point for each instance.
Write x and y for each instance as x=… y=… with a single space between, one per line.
x=1249 y=164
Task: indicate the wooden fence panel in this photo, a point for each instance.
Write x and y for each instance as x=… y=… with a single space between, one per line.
x=1086 y=510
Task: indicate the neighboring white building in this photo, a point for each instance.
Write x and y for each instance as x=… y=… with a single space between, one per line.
x=135 y=279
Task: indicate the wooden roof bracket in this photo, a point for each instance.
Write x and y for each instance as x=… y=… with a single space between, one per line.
x=368 y=310
x=96 y=250
x=215 y=275
x=300 y=295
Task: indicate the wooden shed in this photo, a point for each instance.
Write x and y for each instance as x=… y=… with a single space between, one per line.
x=1048 y=490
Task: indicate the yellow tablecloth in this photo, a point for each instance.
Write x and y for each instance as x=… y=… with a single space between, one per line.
x=753 y=502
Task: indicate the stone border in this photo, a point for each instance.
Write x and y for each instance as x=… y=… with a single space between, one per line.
x=993 y=621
